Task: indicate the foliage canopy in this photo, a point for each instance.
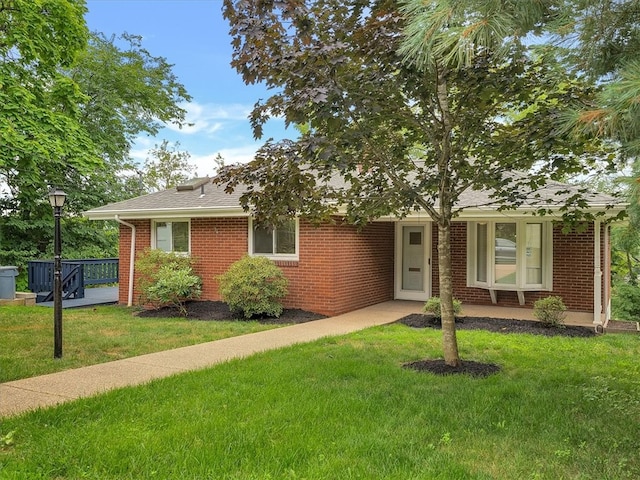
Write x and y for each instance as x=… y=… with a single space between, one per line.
x=71 y=103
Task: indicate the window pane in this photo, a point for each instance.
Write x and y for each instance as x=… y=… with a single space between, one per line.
x=163 y=236
x=481 y=252
x=262 y=240
x=286 y=238
x=180 y=236
x=505 y=253
x=534 y=253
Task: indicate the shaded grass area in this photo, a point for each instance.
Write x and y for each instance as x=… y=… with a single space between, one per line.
x=97 y=335
x=344 y=408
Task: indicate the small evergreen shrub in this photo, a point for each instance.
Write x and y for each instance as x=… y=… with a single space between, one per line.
x=432 y=306
x=625 y=302
x=550 y=311
x=254 y=286
x=167 y=279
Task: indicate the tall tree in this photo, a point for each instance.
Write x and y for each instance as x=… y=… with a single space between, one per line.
x=41 y=135
x=39 y=105
x=601 y=39
x=71 y=104
x=403 y=136
x=168 y=166
x=130 y=92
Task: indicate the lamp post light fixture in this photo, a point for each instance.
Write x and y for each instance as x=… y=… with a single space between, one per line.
x=56 y=199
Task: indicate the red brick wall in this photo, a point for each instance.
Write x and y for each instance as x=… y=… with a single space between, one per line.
x=364 y=265
x=339 y=268
x=215 y=244
x=572 y=270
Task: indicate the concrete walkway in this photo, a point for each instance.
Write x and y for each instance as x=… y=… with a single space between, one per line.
x=47 y=390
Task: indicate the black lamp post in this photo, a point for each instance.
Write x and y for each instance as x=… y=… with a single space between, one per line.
x=56 y=199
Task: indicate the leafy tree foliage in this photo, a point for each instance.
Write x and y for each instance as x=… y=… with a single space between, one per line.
x=167 y=168
x=42 y=136
x=601 y=38
x=403 y=132
x=71 y=104
x=130 y=92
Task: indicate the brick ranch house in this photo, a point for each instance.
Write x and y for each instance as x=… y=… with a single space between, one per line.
x=508 y=258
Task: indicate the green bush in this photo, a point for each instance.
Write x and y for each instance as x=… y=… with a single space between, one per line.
x=550 y=310
x=432 y=306
x=625 y=302
x=254 y=286
x=167 y=278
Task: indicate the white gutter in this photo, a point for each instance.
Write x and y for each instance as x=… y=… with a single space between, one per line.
x=160 y=213
x=132 y=258
x=597 y=275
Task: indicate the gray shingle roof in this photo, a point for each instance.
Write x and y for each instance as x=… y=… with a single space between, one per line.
x=209 y=200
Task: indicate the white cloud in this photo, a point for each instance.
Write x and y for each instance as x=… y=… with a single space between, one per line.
x=210 y=118
x=242 y=154
x=205 y=164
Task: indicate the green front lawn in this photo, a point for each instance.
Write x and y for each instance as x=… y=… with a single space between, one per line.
x=344 y=408
x=96 y=335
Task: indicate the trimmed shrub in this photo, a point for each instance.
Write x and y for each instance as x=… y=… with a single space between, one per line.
x=625 y=302
x=432 y=306
x=254 y=286
x=167 y=279
x=550 y=310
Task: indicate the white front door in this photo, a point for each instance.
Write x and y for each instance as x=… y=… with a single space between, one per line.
x=413 y=272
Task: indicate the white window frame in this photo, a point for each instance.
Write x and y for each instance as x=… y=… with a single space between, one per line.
x=276 y=256
x=521 y=251
x=171 y=220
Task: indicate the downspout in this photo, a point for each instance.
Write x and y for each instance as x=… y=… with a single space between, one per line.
x=132 y=257
x=597 y=274
x=607 y=274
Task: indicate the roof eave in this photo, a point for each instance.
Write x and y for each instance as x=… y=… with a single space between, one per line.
x=610 y=211
x=160 y=213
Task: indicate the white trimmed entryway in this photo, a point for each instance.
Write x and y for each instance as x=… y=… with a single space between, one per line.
x=413 y=261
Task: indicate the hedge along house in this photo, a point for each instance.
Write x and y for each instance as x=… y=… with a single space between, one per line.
x=507 y=258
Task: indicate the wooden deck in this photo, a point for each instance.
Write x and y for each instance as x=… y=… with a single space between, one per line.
x=92 y=297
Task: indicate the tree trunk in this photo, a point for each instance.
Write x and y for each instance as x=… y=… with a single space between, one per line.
x=449 y=340
x=632 y=277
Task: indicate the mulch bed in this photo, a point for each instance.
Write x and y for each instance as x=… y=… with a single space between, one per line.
x=207 y=310
x=500 y=325
x=477 y=369
x=468 y=367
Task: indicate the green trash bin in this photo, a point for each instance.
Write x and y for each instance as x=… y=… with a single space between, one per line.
x=8 y=282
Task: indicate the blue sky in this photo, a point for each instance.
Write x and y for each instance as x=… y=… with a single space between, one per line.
x=193 y=36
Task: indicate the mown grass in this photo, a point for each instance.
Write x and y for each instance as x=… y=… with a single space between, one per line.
x=96 y=335
x=344 y=408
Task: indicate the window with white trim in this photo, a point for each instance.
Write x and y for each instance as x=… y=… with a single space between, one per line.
x=171 y=236
x=507 y=255
x=280 y=242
